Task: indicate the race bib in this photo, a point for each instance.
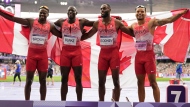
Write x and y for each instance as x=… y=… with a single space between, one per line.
x=141 y=45
x=70 y=40
x=106 y=40
x=37 y=39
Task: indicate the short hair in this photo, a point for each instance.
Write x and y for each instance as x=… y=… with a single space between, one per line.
x=140 y=6
x=44 y=7
x=107 y=5
x=73 y=7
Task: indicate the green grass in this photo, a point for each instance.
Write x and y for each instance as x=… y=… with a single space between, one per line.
x=167 y=79
x=23 y=78
x=58 y=79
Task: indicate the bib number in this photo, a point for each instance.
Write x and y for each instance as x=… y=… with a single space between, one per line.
x=37 y=39
x=141 y=45
x=106 y=40
x=70 y=40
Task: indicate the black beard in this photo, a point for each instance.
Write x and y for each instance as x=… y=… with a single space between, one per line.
x=139 y=19
x=71 y=18
x=105 y=15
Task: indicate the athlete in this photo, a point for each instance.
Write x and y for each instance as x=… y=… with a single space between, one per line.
x=145 y=58
x=109 y=42
x=71 y=55
x=37 y=57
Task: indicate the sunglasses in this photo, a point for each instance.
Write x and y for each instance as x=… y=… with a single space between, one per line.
x=140 y=6
x=44 y=7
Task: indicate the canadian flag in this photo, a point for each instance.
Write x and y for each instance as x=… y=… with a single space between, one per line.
x=174 y=38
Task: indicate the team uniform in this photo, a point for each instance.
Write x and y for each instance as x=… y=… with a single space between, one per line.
x=71 y=54
x=37 y=52
x=145 y=57
x=109 y=43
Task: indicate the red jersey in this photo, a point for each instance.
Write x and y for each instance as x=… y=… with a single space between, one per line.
x=107 y=34
x=144 y=39
x=71 y=33
x=39 y=35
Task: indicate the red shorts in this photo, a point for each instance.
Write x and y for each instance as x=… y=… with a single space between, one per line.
x=145 y=62
x=37 y=59
x=71 y=56
x=109 y=57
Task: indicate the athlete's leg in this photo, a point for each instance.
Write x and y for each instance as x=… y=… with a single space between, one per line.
x=78 y=77
x=42 y=67
x=115 y=65
x=64 y=82
x=30 y=70
x=154 y=85
x=150 y=67
x=102 y=80
x=140 y=74
x=141 y=89
x=42 y=80
x=29 y=80
x=116 y=90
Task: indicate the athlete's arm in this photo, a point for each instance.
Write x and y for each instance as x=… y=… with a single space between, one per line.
x=23 y=21
x=59 y=22
x=55 y=32
x=91 y=32
x=128 y=30
x=87 y=22
x=160 y=22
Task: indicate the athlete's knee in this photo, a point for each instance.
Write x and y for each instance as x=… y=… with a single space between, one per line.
x=78 y=81
x=154 y=85
x=29 y=82
x=140 y=83
x=102 y=83
x=64 y=79
x=42 y=81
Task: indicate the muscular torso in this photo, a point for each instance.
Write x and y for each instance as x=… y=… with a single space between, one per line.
x=81 y=23
x=144 y=35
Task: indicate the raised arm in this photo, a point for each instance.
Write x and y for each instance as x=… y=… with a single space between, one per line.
x=55 y=32
x=91 y=32
x=126 y=29
x=160 y=22
x=19 y=20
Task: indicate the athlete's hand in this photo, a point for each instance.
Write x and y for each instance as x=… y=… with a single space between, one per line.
x=119 y=18
x=185 y=11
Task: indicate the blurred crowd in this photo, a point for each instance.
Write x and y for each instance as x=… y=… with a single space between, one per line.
x=165 y=67
x=7 y=61
x=168 y=69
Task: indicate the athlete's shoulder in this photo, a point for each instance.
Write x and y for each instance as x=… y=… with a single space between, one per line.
x=62 y=19
x=133 y=25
